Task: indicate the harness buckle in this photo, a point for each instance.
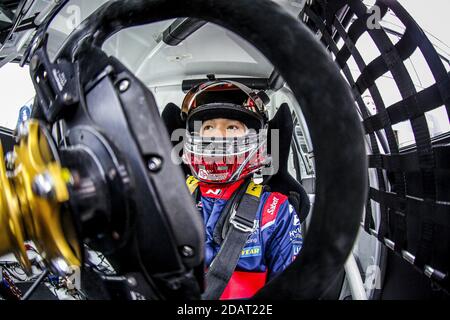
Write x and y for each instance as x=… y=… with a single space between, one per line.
x=241 y=223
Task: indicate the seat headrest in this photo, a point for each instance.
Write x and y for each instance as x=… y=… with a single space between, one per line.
x=282 y=121
x=171 y=117
x=282 y=181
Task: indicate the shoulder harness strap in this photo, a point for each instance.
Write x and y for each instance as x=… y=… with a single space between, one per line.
x=192 y=184
x=241 y=225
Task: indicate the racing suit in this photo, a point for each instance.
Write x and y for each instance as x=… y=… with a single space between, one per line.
x=273 y=245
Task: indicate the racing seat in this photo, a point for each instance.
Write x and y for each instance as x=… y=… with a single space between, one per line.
x=171 y=117
x=282 y=181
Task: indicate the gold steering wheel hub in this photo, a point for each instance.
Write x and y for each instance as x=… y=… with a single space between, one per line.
x=32 y=196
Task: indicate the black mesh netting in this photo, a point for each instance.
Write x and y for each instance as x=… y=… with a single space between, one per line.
x=414 y=204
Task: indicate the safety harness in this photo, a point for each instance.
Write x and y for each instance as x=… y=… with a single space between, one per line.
x=236 y=224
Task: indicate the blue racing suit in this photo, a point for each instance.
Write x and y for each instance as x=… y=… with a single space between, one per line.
x=269 y=249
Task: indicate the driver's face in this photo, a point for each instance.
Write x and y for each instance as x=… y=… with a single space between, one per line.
x=221 y=128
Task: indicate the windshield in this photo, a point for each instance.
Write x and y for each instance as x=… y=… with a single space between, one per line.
x=10 y=9
x=16 y=91
x=67 y=19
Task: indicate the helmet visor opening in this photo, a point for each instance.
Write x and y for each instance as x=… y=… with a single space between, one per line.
x=223 y=110
x=233 y=95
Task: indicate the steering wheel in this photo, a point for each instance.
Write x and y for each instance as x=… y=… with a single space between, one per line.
x=326 y=102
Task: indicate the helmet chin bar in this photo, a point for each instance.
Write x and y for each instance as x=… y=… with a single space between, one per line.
x=239 y=157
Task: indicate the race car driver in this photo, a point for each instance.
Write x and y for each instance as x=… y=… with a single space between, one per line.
x=226 y=147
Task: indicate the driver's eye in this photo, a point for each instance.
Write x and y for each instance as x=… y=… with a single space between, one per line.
x=232 y=127
x=208 y=127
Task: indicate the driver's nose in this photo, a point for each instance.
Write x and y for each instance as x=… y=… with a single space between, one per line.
x=220 y=132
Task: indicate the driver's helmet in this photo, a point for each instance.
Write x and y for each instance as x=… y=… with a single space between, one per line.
x=225 y=159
